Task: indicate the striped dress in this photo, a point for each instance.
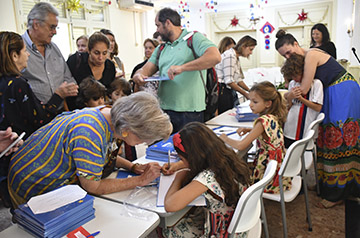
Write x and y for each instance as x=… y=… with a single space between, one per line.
x=73 y=144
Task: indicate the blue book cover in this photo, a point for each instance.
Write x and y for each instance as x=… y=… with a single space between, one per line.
x=47 y=218
x=246 y=117
x=61 y=232
x=22 y=217
x=162 y=146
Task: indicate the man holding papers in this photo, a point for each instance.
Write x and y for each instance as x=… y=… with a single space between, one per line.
x=71 y=149
x=182 y=97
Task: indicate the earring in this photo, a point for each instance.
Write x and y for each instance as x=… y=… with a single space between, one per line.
x=124 y=134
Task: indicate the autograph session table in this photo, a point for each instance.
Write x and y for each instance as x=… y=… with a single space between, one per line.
x=145 y=198
x=111 y=219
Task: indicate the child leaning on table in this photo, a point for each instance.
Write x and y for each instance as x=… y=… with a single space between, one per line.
x=266 y=101
x=303 y=109
x=215 y=171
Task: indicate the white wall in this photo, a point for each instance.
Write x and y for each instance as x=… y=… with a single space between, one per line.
x=127 y=27
x=7 y=16
x=342 y=41
x=355 y=40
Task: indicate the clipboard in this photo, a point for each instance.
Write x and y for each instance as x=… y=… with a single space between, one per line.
x=149 y=79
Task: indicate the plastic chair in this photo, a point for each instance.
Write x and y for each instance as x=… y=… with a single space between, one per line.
x=291 y=166
x=247 y=213
x=310 y=155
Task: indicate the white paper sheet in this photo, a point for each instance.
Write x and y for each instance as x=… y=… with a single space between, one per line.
x=52 y=200
x=164 y=185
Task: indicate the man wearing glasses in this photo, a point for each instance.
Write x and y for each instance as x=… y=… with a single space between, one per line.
x=46 y=69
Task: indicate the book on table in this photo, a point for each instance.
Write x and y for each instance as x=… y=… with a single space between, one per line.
x=58 y=222
x=159 y=151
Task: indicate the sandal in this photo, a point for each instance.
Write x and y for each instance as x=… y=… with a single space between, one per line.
x=325 y=204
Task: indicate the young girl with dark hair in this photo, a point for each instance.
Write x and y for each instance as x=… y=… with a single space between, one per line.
x=215 y=171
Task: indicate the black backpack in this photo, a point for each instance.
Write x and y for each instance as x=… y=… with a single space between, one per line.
x=211 y=85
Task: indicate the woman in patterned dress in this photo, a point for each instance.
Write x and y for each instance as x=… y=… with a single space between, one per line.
x=216 y=172
x=338 y=142
x=268 y=103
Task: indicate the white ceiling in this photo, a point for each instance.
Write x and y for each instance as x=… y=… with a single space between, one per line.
x=225 y=5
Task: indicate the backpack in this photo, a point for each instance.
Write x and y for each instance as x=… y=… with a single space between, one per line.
x=211 y=85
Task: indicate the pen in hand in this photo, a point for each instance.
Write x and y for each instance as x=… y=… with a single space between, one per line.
x=168 y=159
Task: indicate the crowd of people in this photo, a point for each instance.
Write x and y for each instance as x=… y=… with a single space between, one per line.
x=82 y=117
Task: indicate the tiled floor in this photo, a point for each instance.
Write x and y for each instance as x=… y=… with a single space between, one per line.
x=5 y=217
x=327 y=223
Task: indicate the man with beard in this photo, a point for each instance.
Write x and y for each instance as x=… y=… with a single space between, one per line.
x=183 y=96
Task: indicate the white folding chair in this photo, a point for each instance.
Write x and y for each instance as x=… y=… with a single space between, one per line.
x=291 y=166
x=248 y=209
x=310 y=155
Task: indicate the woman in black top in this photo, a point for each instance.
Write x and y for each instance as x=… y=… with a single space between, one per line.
x=94 y=63
x=320 y=39
x=149 y=47
x=19 y=107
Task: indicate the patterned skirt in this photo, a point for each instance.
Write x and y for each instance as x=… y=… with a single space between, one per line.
x=338 y=143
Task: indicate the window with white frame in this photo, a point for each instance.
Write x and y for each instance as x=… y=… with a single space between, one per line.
x=83 y=18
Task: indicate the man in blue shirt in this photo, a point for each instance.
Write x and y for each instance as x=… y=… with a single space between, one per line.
x=46 y=69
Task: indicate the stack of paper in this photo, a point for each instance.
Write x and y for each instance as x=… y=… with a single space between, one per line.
x=58 y=222
x=159 y=151
x=164 y=185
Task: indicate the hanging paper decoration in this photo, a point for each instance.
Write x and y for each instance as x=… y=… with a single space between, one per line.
x=234 y=21
x=211 y=5
x=256 y=10
x=184 y=12
x=73 y=5
x=267 y=28
x=302 y=16
x=76 y=5
x=267 y=42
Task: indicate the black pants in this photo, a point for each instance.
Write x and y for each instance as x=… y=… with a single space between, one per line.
x=226 y=99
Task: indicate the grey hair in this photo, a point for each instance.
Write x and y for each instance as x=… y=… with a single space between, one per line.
x=40 y=12
x=141 y=114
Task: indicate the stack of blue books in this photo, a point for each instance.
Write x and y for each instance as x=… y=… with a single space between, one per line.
x=245 y=115
x=159 y=151
x=58 y=222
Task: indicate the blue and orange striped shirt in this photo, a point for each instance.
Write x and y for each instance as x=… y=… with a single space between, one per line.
x=72 y=144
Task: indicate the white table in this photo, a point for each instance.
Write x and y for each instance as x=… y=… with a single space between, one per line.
x=228 y=118
x=145 y=198
x=111 y=219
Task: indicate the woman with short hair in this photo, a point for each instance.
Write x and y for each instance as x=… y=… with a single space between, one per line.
x=72 y=148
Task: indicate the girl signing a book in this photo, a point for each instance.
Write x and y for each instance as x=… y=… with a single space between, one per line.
x=266 y=101
x=213 y=170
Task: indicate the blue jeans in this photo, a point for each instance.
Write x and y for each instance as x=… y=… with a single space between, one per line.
x=180 y=119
